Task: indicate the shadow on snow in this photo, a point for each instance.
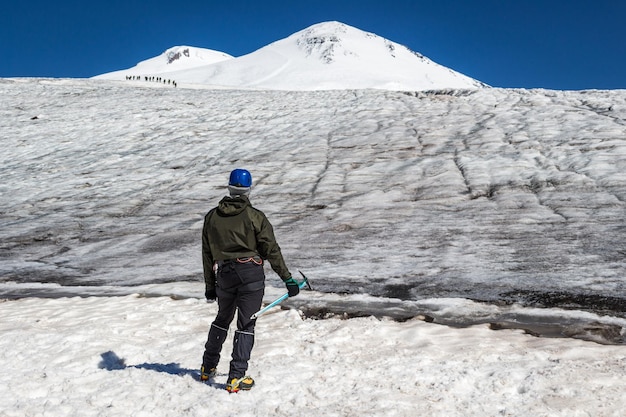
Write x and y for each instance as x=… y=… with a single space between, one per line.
x=111 y=362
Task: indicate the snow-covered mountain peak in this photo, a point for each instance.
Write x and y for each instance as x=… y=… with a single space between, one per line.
x=176 y=58
x=177 y=53
x=322 y=39
x=180 y=57
x=183 y=57
x=325 y=56
x=330 y=40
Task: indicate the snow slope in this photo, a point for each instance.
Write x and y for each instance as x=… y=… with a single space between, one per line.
x=429 y=198
x=328 y=55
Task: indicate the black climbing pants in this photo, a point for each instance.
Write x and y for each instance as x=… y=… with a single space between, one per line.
x=240 y=288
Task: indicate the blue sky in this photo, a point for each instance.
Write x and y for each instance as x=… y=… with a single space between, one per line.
x=555 y=44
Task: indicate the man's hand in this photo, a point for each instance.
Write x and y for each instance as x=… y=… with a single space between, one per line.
x=210 y=294
x=292 y=287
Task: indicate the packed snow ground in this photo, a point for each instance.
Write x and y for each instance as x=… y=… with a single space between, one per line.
x=133 y=356
x=409 y=202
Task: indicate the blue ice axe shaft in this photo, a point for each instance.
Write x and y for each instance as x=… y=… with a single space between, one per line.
x=280 y=299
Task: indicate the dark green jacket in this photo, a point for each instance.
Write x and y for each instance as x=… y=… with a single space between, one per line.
x=235 y=229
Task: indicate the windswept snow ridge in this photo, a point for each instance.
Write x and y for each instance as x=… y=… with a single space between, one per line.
x=495 y=195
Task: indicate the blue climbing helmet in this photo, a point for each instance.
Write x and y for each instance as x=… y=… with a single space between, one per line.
x=240 y=178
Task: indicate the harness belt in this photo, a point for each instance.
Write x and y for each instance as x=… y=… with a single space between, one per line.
x=257 y=260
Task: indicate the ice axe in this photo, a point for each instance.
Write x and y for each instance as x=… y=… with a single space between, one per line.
x=304 y=283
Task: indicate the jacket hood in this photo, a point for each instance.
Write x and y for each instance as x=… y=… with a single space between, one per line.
x=231 y=206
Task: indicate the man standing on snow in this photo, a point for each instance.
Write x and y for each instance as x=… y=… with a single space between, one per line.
x=236 y=239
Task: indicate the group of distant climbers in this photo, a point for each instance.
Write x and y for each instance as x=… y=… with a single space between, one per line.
x=152 y=78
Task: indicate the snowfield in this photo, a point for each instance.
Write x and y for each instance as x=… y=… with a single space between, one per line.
x=482 y=208
x=133 y=356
